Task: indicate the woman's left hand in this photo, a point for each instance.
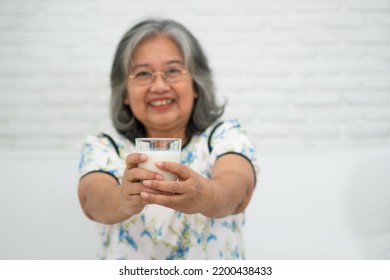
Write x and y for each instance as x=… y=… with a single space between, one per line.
x=186 y=195
x=227 y=192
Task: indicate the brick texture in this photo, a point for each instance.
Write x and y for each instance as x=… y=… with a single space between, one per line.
x=298 y=73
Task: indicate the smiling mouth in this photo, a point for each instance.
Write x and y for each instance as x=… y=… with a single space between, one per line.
x=161 y=102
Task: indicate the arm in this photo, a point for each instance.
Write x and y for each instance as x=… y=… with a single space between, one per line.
x=104 y=200
x=231 y=186
x=99 y=196
x=227 y=192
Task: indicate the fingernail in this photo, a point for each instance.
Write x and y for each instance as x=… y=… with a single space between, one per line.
x=142 y=157
x=159 y=177
x=147 y=183
x=159 y=163
x=144 y=195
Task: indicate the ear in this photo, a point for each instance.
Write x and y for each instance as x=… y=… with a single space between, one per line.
x=126 y=100
x=194 y=88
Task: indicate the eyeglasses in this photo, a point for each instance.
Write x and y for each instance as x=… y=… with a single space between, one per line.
x=169 y=75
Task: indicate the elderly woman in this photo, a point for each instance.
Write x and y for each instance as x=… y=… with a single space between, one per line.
x=162 y=87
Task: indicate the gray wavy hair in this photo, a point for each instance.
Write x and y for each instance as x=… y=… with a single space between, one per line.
x=205 y=111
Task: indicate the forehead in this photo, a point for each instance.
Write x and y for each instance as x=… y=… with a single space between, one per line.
x=157 y=50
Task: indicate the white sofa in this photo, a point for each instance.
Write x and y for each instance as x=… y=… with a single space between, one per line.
x=332 y=204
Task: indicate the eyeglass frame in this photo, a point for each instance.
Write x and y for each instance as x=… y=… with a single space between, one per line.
x=158 y=73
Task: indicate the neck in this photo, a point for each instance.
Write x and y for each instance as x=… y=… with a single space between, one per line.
x=174 y=133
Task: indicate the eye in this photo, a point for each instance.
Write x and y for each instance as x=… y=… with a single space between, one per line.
x=172 y=71
x=142 y=74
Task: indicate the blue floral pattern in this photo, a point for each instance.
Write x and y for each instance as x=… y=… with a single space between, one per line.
x=159 y=232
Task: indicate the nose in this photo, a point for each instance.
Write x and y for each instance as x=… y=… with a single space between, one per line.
x=159 y=84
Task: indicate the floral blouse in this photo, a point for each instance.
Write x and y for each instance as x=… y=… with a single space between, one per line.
x=162 y=233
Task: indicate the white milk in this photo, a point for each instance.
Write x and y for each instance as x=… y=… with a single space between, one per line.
x=154 y=156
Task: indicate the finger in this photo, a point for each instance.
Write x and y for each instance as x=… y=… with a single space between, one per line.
x=136 y=188
x=166 y=186
x=174 y=167
x=132 y=160
x=140 y=174
x=168 y=200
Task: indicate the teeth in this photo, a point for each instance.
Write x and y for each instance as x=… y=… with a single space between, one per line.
x=161 y=102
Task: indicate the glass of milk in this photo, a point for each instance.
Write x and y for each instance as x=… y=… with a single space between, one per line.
x=159 y=149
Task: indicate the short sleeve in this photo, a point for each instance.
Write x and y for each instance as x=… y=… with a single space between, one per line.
x=99 y=155
x=230 y=137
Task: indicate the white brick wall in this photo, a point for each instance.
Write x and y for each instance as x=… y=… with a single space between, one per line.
x=298 y=73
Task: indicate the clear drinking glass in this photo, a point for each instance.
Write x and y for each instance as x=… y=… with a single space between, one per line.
x=159 y=149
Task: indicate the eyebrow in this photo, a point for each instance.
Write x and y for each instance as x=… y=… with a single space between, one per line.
x=175 y=61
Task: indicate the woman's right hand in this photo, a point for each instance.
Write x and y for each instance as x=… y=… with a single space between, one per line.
x=130 y=201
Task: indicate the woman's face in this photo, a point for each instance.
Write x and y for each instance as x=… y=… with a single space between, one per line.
x=164 y=108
